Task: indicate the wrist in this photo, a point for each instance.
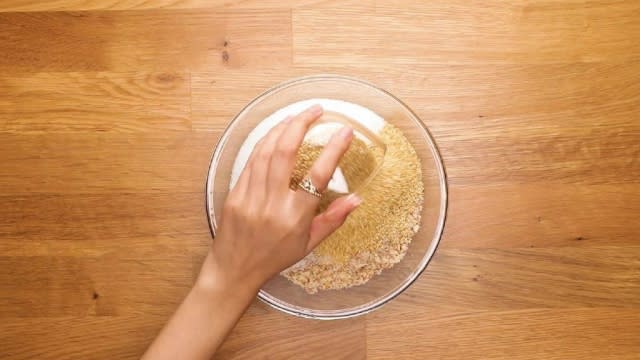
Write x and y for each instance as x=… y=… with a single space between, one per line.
x=216 y=280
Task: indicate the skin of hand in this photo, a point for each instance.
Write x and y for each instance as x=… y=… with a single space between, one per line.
x=265 y=227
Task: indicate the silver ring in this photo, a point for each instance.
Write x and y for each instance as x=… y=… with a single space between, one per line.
x=307 y=185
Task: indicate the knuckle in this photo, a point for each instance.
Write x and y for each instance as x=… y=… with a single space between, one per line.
x=250 y=216
x=232 y=205
x=264 y=155
x=305 y=117
x=319 y=177
x=287 y=151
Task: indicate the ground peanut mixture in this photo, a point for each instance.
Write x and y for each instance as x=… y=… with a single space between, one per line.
x=377 y=234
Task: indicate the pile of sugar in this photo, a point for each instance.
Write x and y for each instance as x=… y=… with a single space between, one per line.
x=376 y=236
x=364 y=116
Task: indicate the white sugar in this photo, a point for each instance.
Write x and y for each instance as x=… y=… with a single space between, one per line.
x=362 y=115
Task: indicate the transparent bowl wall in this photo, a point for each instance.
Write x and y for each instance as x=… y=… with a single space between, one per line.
x=333 y=304
x=327 y=126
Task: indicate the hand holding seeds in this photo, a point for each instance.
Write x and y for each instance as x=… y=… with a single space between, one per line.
x=267 y=226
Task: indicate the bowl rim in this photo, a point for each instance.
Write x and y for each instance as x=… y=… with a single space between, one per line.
x=426 y=259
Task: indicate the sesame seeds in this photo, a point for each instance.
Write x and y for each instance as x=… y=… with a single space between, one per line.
x=376 y=236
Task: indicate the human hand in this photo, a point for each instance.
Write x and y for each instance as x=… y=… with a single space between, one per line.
x=266 y=226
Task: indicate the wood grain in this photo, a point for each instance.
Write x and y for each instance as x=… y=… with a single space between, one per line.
x=102 y=102
x=99 y=162
x=303 y=338
x=528 y=334
x=453 y=33
x=109 y=112
x=150 y=40
x=542 y=215
x=85 y=5
x=530 y=278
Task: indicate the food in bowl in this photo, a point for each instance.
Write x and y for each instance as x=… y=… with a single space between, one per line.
x=387 y=177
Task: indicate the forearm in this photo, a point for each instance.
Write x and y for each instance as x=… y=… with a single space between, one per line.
x=204 y=318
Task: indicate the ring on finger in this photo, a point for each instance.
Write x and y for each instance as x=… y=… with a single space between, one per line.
x=307 y=185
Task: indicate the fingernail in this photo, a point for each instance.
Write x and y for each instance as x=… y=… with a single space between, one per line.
x=346 y=132
x=354 y=200
x=315 y=110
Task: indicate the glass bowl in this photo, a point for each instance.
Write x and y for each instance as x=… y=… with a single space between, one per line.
x=336 y=304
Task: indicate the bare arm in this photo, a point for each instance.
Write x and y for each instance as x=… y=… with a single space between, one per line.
x=265 y=228
x=205 y=317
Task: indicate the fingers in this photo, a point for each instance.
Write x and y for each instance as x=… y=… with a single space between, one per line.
x=240 y=188
x=288 y=145
x=261 y=157
x=242 y=185
x=322 y=169
x=331 y=219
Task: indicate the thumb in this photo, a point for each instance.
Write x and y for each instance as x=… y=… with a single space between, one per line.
x=330 y=220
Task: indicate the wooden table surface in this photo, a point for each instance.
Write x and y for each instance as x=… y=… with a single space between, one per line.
x=109 y=112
